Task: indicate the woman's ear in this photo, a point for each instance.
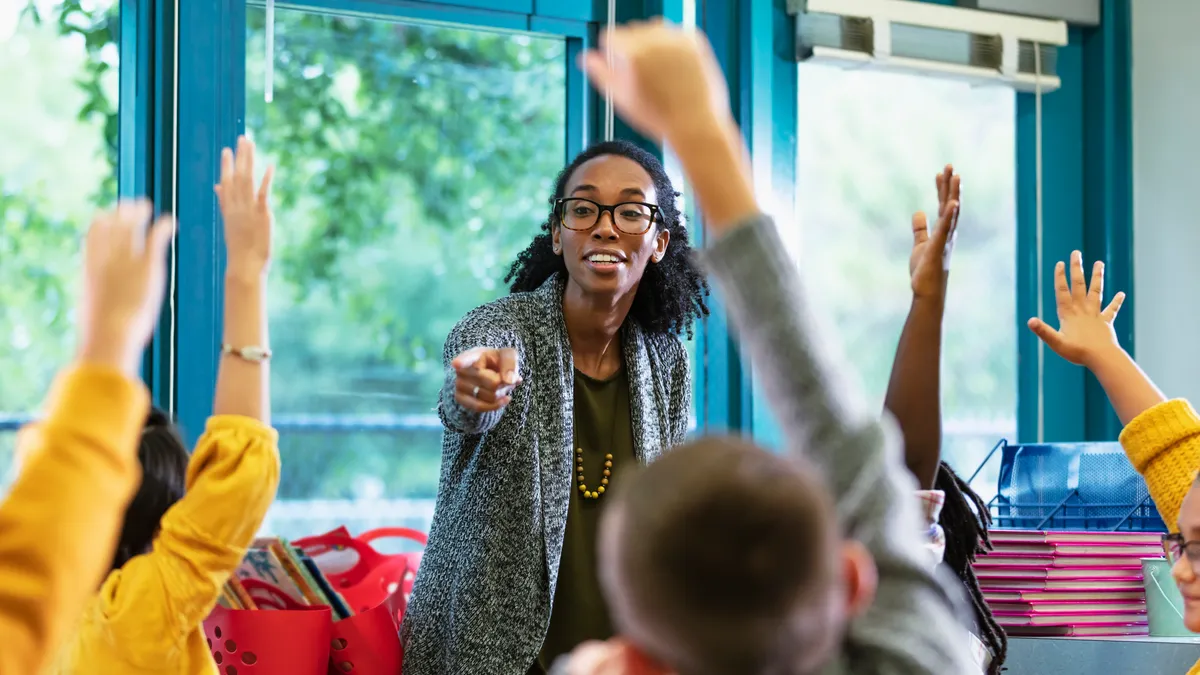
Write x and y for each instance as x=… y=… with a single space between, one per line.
x=556 y=239
x=661 y=241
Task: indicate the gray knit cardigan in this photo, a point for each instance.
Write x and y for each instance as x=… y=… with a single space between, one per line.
x=482 y=599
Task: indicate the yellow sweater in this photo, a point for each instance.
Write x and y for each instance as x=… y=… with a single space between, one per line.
x=60 y=522
x=147 y=617
x=1163 y=443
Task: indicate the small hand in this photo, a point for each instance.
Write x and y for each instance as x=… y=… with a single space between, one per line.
x=246 y=211
x=1085 y=332
x=929 y=265
x=485 y=377
x=124 y=282
x=664 y=80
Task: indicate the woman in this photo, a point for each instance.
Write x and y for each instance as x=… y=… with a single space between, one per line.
x=551 y=393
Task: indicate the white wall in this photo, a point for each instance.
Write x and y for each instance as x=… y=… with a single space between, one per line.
x=1166 y=190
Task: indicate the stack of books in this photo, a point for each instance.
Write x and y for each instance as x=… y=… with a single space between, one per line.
x=277 y=575
x=1064 y=584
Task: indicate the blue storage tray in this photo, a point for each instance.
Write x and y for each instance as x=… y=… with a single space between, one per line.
x=1071 y=486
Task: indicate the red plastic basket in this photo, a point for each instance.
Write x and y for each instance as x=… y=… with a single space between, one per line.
x=270 y=642
x=367 y=643
x=372 y=578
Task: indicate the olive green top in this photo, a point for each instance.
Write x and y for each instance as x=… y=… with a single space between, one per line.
x=602 y=427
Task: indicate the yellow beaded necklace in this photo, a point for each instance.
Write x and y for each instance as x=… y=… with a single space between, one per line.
x=592 y=494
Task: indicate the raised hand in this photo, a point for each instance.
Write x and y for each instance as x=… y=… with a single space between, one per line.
x=484 y=378
x=124 y=282
x=929 y=265
x=245 y=210
x=1085 y=330
x=663 y=80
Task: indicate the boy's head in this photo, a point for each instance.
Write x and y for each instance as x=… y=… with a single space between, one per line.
x=164 y=460
x=722 y=558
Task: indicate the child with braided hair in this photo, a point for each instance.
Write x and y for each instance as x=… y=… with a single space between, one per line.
x=956 y=517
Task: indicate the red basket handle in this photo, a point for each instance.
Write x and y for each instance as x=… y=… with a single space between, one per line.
x=397 y=532
x=267 y=596
x=323 y=543
x=368 y=558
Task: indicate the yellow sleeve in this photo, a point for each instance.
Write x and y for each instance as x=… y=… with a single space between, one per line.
x=60 y=522
x=152 y=603
x=1163 y=443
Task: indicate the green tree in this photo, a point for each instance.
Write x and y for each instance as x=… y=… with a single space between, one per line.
x=414 y=163
x=58 y=73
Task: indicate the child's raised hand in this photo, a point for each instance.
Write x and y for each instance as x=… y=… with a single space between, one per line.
x=124 y=282
x=929 y=265
x=1085 y=331
x=245 y=210
x=664 y=80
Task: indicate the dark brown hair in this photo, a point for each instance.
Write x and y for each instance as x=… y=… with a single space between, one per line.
x=164 y=460
x=721 y=559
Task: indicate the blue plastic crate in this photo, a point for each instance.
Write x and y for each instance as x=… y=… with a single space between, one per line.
x=1070 y=486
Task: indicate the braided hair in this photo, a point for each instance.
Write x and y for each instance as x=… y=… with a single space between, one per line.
x=965 y=520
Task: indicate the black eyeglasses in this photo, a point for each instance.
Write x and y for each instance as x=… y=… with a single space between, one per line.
x=577 y=213
x=1177 y=547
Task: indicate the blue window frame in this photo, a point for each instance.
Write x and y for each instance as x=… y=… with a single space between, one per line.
x=1086 y=153
x=211 y=103
x=1087 y=205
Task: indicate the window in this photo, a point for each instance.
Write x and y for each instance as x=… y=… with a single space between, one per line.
x=870 y=144
x=414 y=163
x=58 y=72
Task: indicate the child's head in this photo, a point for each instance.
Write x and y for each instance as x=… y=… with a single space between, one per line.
x=1183 y=568
x=164 y=462
x=722 y=558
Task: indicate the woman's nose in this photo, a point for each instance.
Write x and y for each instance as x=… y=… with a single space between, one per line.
x=605 y=227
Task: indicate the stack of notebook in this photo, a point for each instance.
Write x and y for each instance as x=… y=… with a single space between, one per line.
x=1067 y=583
x=277 y=575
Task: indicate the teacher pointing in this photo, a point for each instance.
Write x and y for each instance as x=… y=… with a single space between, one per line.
x=551 y=393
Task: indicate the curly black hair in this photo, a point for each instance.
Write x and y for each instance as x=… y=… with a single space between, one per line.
x=965 y=519
x=671 y=295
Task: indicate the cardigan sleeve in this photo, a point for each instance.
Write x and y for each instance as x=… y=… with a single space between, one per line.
x=60 y=522
x=681 y=395
x=1163 y=444
x=487 y=326
x=911 y=627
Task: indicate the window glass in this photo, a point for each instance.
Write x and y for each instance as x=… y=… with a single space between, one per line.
x=58 y=72
x=414 y=163
x=870 y=144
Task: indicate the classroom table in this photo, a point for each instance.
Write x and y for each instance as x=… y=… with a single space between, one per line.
x=1107 y=656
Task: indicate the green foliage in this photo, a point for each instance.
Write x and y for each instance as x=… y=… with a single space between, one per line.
x=58 y=74
x=414 y=162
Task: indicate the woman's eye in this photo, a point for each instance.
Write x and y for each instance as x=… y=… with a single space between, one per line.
x=582 y=211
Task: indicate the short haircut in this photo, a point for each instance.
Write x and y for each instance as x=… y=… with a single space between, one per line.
x=164 y=460
x=723 y=559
